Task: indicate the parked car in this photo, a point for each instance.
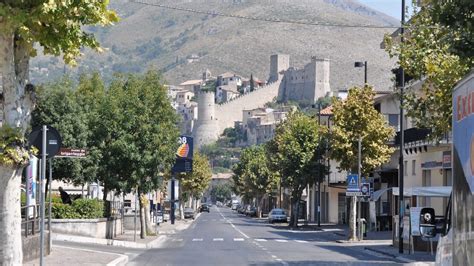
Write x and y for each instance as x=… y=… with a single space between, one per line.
x=235 y=206
x=188 y=213
x=277 y=215
x=242 y=209
x=204 y=208
x=251 y=211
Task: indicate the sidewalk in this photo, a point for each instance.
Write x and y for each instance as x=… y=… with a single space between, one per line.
x=381 y=243
x=75 y=256
x=129 y=239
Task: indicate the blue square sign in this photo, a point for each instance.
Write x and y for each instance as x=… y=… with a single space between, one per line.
x=353 y=183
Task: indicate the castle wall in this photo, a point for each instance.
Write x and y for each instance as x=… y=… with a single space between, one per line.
x=229 y=112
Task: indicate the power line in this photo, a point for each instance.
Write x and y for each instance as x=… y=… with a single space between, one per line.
x=271 y=20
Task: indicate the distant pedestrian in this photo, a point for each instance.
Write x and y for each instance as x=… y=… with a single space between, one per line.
x=64 y=196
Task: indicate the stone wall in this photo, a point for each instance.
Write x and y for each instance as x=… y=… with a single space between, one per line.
x=97 y=228
x=229 y=112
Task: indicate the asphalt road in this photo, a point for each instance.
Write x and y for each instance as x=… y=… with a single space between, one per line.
x=223 y=237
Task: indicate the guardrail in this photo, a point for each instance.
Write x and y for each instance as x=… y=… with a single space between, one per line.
x=30 y=218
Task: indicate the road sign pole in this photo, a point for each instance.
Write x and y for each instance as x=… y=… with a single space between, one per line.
x=42 y=199
x=50 y=202
x=172 y=199
x=360 y=182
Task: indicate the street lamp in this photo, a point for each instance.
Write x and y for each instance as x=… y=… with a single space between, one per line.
x=362 y=64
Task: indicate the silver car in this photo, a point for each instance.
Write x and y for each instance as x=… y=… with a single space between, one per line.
x=277 y=215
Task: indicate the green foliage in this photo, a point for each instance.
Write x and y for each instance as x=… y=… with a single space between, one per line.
x=88 y=208
x=437 y=50
x=73 y=109
x=197 y=181
x=80 y=209
x=296 y=155
x=56 y=25
x=252 y=175
x=63 y=211
x=222 y=192
x=12 y=147
x=140 y=134
x=356 y=117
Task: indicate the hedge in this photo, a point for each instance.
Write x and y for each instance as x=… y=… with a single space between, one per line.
x=80 y=209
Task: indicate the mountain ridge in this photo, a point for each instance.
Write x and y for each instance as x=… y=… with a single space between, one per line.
x=149 y=36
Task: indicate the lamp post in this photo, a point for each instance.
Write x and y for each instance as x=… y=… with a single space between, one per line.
x=362 y=64
x=402 y=140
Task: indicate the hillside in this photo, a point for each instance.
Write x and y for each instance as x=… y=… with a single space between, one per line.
x=149 y=36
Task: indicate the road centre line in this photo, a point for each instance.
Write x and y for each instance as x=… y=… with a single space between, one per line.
x=197 y=239
x=218 y=239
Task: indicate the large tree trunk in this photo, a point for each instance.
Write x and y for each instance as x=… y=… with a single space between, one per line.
x=352 y=219
x=10 y=216
x=148 y=225
x=16 y=104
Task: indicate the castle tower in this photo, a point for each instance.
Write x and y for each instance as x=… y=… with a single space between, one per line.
x=322 y=87
x=278 y=64
x=206 y=130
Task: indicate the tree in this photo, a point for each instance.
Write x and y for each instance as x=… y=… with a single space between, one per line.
x=57 y=26
x=73 y=110
x=252 y=83
x=193 y=184
x=252 y=175
x=141 y=135
x=294 y=155
x=354 y=118
x=221 y=192
x=438 y=51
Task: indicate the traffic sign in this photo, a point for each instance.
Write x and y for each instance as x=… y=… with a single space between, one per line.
x=365 y=189
x=353 y=183
x=53 y=140
x=72 y=153
x=355 y=193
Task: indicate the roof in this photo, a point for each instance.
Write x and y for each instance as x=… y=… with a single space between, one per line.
x=191 y=82
x=327 y=110
x=227 y=75
x=222 y=176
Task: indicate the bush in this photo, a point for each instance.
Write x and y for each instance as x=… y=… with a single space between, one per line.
x=80 y=209
x=89 y=208
x=63 y=211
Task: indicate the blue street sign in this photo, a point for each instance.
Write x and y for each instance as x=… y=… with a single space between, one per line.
x=353 y=183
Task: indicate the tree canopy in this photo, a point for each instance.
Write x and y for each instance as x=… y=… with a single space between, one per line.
x=196 y=182
x=295 y=155
x=437 y=50
x=356 y=117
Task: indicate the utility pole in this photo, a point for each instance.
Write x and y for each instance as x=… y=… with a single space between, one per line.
x=402 y=141
x=359 y=161
x=319 y=167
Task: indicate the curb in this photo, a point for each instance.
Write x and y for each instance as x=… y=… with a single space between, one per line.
x=391 y=255
x=110 y=242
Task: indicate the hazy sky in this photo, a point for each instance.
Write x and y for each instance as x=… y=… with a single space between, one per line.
x=389 y=7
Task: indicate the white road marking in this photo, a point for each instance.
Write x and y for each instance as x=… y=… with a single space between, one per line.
x=238 y=239
x=273 y=256
x=260 y=240
x=218 y=239
x=197 y=239
x=177 y=240
x=301 y=241
x=281 y=240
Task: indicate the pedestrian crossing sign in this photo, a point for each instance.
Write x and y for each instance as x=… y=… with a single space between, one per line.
x=353 y=183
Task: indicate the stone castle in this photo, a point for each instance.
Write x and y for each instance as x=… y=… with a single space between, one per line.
x=285 y=83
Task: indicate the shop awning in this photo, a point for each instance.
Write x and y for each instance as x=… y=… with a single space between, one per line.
x=416 y=191
x=424 y=191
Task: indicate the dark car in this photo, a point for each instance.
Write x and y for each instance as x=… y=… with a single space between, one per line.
x=204 y=208
x=251 y=211
x=188 y=213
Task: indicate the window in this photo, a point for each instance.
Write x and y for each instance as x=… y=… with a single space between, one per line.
x=405 y=166
x=393 y=120
x=413 y=167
